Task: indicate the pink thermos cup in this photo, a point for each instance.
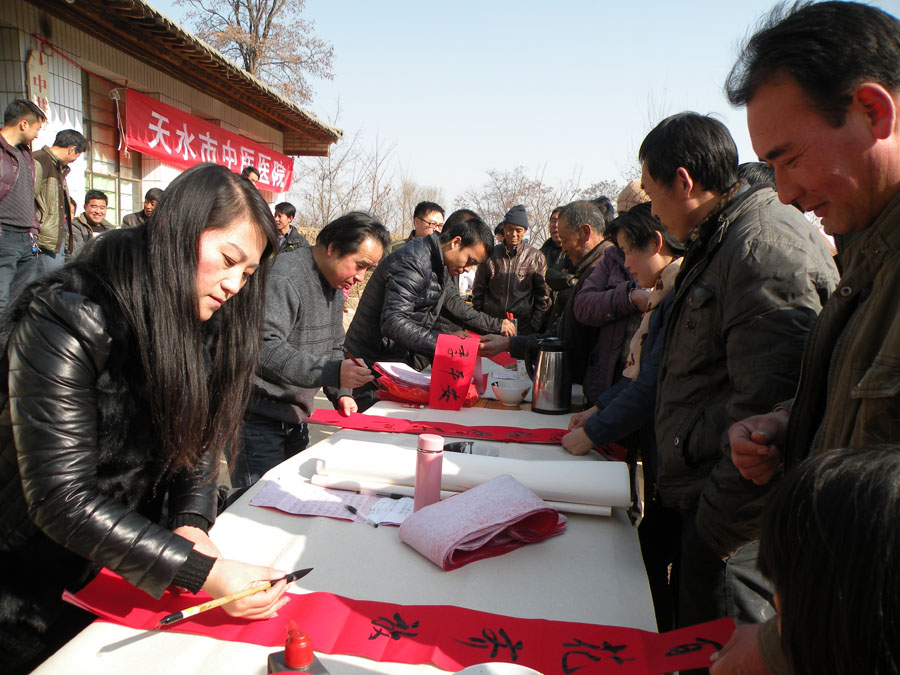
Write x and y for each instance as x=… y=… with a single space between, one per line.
x=428 y=470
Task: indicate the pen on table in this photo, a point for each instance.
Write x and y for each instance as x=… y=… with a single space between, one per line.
x=218 y=602
x=389 y=495
x=356 y=512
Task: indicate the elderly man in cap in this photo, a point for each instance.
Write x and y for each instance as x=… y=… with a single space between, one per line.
x=510 y=283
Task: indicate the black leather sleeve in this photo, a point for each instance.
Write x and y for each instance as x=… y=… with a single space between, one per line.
x=55 y=354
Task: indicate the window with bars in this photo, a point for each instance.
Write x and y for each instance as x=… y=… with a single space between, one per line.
x=113 y=172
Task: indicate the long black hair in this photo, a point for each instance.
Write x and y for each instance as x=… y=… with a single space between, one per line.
x=830 y=543
x=198 y=373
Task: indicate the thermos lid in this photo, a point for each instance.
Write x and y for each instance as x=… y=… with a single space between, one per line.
x=431 y=443
x=553 y=345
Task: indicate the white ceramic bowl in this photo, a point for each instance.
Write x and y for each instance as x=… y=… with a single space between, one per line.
x=497 y=669
x=510 y=392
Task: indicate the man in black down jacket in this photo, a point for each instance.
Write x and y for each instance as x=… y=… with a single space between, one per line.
x=754 y=278
x=395 y=319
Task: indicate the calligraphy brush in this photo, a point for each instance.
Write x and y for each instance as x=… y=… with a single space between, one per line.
x=212 y=604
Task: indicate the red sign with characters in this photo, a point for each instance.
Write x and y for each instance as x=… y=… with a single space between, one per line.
x=178 y=138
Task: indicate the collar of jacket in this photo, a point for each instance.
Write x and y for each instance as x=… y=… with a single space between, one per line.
x=551 y=244
x=871 y=245
x=708 y=234
x=21 y=147
x=508 y=253
x=437 y=256
x=62 y=168
x=591 y=257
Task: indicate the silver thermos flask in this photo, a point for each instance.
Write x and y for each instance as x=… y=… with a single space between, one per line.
x=552 y=376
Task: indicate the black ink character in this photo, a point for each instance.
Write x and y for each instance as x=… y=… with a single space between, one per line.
x=490 y=639
x=693 y=647
x=605 y=646
x=395 y=629
x=447 y=393
x=455 y=374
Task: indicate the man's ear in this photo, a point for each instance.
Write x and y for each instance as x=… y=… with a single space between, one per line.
x=683 y=182
x=878 y=106
x=585 y=231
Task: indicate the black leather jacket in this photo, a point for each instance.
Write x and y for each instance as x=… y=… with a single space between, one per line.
x=513 y=282
x=82 y=482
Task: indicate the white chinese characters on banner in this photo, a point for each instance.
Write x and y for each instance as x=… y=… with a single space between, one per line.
x=177 y=137
x=159 y=132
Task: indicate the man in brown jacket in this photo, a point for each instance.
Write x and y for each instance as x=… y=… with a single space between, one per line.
x=511 y=281
x=822 y=90
x=51 y=195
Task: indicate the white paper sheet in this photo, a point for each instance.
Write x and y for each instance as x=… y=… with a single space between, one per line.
x=404 y=373
x=594 y=483
x=305 y=499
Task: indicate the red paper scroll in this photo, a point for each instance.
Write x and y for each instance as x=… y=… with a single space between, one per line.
x=176 y=137
x=365 y=422
x=449 y=637
x=451 y=371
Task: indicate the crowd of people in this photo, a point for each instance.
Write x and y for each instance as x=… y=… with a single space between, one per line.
x=751 y=369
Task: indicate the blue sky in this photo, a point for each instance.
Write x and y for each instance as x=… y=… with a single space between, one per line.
x=564 y=89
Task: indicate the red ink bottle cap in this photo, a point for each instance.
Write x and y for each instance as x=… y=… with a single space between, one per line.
x=431 y=443
x=298 y=651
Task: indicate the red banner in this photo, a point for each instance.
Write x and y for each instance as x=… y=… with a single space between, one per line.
x=451 y=371
x=178 y=138
x=449 y=637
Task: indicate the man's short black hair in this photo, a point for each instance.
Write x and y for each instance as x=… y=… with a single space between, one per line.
x=153 y=195
x=582 y=212
x=348 y=232
x=68 y=138
x=21 y=109
x=756 y=172
x=95 y=194
x=471 y=231
x=829 y=48
x=699 y=143
x=500 y=228
x=286 y=208
x=424 y=208
x=460 y=215
x=247 y=170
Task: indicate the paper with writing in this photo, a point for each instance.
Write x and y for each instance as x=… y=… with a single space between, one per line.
x=451 y=371
x=449 y=637
x=306 y=499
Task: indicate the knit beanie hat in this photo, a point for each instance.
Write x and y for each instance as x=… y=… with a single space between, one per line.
x=632 y=195
x=516 y=216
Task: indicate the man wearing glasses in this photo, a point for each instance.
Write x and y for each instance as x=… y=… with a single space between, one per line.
x=428 y=217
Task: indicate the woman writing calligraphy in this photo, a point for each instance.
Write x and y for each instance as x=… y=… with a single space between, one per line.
x=128 y=373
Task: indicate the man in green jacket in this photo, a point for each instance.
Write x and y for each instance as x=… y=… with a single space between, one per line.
x=822 y=90
x=51 y=195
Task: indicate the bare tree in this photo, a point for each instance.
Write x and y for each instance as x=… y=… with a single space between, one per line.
x=267 y=38
x=505 y=189
x=605 y=188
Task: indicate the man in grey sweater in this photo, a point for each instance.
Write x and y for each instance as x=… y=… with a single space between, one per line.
x=303 y=342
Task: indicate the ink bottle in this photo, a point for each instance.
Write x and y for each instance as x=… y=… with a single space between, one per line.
x=297 y=655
